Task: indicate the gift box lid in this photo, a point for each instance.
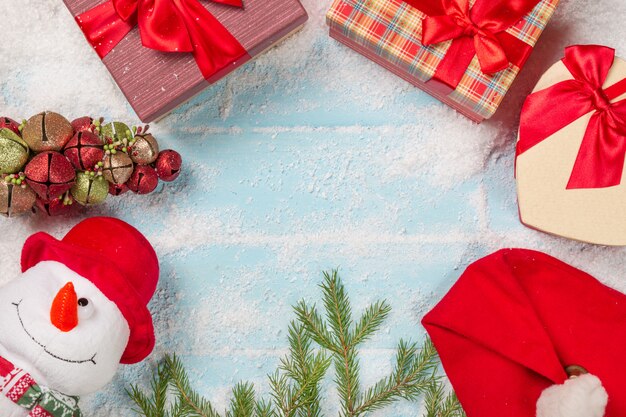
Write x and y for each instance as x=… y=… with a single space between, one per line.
x=157 y=82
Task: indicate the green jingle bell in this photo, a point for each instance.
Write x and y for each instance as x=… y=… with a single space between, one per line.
x=13 y=152
x=90 y=189
x=116 y=131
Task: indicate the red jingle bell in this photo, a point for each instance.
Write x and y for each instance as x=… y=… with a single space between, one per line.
x=168 y=165
x=8 y=123
x=117 y=189
x=84 y=150
x=83 y=124
x=56 y=207
x=143 y=180
x=50 y=174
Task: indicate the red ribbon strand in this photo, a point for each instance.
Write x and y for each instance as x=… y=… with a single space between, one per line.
x=477 y=31
x=167 y=26
x=600 y=160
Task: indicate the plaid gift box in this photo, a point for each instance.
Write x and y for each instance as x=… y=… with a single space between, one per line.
x=389 y=32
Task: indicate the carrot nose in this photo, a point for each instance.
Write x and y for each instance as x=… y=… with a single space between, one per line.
x=64 y=311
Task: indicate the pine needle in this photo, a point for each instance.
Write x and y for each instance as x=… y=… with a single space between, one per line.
x=295 y=387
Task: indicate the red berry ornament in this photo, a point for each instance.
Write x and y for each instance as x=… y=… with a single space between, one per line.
x=168 y=165
x=50 y=174
x=8 y=123
x=83 y=124
x=117 y=189
x=84 y=150
x=143 y=180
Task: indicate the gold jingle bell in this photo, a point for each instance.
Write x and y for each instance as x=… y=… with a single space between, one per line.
x=144 y=150
x=117 y=167
x=47 y=131
x=15 y=199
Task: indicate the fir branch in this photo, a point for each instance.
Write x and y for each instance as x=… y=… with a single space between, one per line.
x=338 y=308
x=346 y=361
x=438 y=403
x=189 y=402
x=295 y=386
x=414 y=369
x=315 y=326
x=370 y=322
x=296 y=391
x=153 y=406
x=412 y=376
x=243 y=403
x=264 y=409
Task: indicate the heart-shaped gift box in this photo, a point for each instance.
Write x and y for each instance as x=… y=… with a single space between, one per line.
x=571 y=148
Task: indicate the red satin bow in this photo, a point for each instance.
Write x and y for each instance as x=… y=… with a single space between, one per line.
x=600 y=160
x=479 y=31
x=165 y=25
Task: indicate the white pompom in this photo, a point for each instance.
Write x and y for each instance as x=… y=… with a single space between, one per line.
x=583 y=396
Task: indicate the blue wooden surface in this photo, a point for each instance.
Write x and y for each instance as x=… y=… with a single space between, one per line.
x=308 y=159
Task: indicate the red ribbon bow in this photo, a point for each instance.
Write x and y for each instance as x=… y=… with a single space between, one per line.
x=477 y=31
x=165 y=25
x=600 y=160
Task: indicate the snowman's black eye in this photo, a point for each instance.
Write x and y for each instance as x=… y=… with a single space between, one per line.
x=83 y=302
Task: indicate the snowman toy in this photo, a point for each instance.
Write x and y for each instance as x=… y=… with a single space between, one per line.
x=78 y=310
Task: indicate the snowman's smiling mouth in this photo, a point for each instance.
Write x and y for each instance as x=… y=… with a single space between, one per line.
x=19 y=316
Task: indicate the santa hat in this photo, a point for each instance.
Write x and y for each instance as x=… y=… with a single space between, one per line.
x=522 y=334
x=118 y=260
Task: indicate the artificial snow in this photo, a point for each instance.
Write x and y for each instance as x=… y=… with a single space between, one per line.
x=309 y=158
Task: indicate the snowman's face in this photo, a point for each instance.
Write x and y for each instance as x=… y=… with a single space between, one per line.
x=77 y=361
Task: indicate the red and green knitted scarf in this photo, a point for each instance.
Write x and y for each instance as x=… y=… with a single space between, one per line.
x=18 y=386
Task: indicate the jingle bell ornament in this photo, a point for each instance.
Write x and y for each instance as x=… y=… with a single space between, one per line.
x=116 y=131
x=90 y=189
x=56 y=207
x=117 y=167
x=143 y=180
x=16 y=197
x=83 y=124
x=47 y=131
x=117 y=189
x=8 y=123
x=168 y=165
x=84 y=150
x=13 y=152
x=144 y=149
x=50 y=174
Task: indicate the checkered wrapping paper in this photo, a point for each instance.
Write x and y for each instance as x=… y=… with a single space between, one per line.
x=393 y=30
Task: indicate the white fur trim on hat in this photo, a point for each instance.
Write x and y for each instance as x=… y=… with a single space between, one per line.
x=582 y=396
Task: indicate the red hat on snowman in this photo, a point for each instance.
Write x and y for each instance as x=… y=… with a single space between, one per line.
x=118 y=260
